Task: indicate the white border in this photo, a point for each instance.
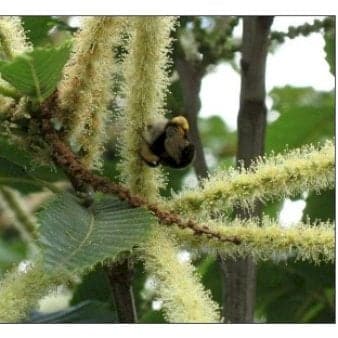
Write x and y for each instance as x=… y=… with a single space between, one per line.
x=168 y=7
x=168 y=330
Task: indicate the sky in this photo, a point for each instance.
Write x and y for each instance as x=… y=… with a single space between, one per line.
x=223 y=83
x=299 y=62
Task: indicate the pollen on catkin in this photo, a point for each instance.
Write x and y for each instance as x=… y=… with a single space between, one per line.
x=13 y=39
x=86 y=88
x=184 y=299
x=146 y=81
x=266 y=240
x=5 y=104
x=283 y=175
x=20 y=293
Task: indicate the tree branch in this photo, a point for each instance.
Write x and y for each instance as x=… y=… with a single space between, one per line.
x=240 y=275
x=82 y=177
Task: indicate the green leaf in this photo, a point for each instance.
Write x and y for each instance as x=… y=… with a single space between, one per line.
x=38 y=27
x=210 y=272
x=216 y=136
x=272 y=208
x=18 y=170
x=175 y=100
x=153 y=317
x=307 y=116
x=330 y=48
x=320 y=206
x=291 y=292
x=88 y=312
x=75 y=238
x=36 y=73
x=14 y=154
x=18 y=178
x=94 y=286
x=11 y=252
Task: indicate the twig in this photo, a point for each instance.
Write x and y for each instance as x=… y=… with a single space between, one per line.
x=81 y=177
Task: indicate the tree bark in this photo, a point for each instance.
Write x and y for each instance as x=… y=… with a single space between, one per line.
x=120 y=278
x=191 y=78
x=240 y=275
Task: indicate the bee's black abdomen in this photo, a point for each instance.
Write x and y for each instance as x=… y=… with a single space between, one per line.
x=172 y=147
x=157 y=147
x=187 y=156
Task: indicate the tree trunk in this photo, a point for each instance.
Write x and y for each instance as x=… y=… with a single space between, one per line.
x=240 y=275
x=191 y=79
x=120 y=277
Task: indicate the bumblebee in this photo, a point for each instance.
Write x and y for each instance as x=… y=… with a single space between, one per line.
x=166 y=142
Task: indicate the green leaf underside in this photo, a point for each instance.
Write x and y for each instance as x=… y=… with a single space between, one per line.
x=18 y=178
x=12 y=251
x=292 y=292
x=36 y=73
x=37 y=28
x=307 y=116
x=94 y=285
x=85 y=312
x=75 y=238
x=18 y=170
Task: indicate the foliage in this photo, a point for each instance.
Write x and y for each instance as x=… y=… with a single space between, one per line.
x=21 y=170
x=89 y=235
x=306 y=117
x=79 y=233
x=87 y=312
x=38 y=28
x=94 y=286
x=12 y=252
x=304 y=30
x=36 y=73
x=295 y=292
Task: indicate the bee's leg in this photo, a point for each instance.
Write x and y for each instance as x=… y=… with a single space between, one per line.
x=148 y=156
x=86 y=194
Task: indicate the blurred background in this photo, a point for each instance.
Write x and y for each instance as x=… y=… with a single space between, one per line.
x=205 y=84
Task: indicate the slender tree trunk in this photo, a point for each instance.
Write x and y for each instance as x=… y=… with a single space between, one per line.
x=120 y=278
x=191 y=79
x=240 y=275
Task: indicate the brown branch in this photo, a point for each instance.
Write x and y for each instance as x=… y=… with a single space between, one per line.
x=82 y=177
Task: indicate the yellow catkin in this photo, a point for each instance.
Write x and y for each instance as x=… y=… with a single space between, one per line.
x=20 y=293
x=86 y=88
x=22 y=219
x=315 y=243
x=146 y=81
x=13 y=40
x=305 y=169
x=5 y=104
x=184 y=298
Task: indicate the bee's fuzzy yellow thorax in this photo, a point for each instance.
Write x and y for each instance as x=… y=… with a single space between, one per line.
x=181 y=121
